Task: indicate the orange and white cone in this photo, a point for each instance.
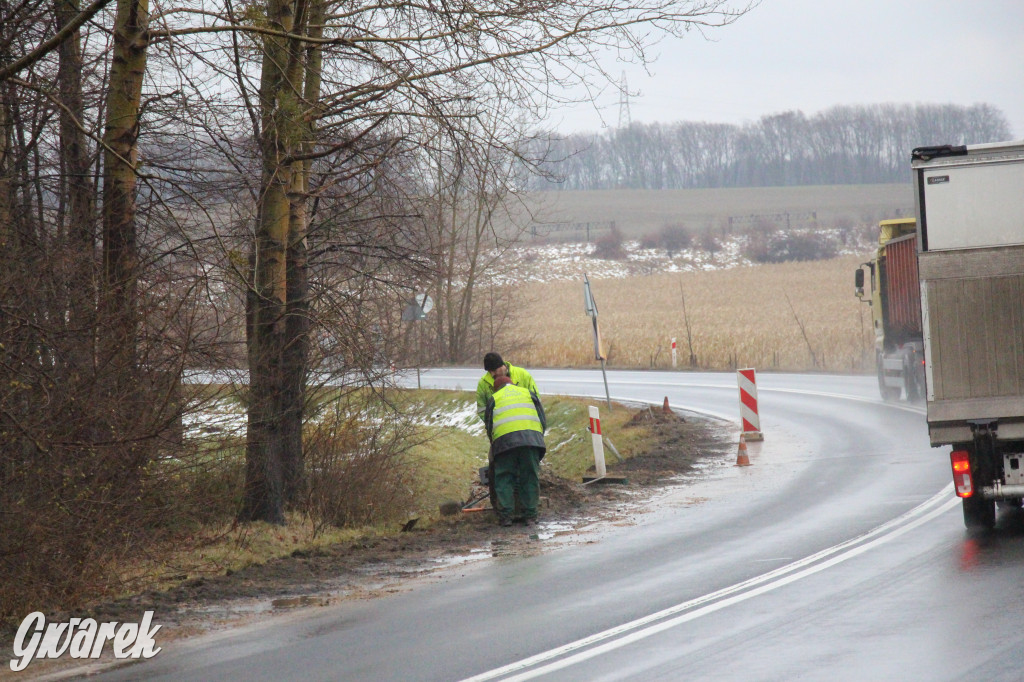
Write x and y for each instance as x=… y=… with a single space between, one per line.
x=665 y=408
x=742 y=459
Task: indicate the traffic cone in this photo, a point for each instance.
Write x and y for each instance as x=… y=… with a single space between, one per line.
x=664 y=406
x=742 y=460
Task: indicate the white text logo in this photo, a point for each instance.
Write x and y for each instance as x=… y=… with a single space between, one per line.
x=82 y=638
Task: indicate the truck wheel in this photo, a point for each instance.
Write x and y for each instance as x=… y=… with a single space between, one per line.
x=889 y=393
x=979 y=513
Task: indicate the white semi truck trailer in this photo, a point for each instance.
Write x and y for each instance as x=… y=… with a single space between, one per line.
x=970 y=237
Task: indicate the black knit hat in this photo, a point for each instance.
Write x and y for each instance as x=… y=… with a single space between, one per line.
x=492 y=361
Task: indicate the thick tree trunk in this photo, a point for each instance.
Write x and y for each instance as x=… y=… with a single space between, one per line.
x=265 y=470
x=264 y=483
x=296 y=353
x=118 y=299
x=295 y=356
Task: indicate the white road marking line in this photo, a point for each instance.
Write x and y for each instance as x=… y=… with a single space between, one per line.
x=648 y=626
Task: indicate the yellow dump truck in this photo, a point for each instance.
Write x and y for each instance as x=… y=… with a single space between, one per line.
x=889 y=284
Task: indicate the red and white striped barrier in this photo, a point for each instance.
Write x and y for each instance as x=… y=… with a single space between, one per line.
x=748 y=404
x=595 y=437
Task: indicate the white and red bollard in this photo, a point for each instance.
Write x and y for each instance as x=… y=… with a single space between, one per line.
x=673 y=352
x=598 y=443
x=748 y=405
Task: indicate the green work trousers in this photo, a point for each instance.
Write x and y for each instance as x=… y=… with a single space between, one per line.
x=517 y=473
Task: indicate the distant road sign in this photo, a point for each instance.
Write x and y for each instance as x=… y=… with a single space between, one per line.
x=417 y=308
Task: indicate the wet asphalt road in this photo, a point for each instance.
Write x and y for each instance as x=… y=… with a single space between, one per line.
x=840 y=554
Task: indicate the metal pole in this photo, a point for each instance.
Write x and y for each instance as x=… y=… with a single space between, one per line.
x=607 y=397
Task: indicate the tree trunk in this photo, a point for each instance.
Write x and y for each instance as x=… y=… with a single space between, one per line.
x=79 y=253
x=296 y=350
x=6 y=187
x=120 y=255
x=264 y=482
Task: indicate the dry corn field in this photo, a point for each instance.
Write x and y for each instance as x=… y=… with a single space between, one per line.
x=738 y=317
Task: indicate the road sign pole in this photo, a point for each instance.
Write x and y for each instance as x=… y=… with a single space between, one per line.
x=590 y=307
x=415 y=311
x=607 y=397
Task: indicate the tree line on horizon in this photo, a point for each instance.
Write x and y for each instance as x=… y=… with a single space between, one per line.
x=850 y=144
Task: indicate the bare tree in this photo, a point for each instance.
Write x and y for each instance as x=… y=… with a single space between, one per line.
x=84 y=347
x=280 y=93
x=385 y=68
x=472 y=216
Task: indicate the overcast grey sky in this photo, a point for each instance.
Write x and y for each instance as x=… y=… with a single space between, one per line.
x=814 y=54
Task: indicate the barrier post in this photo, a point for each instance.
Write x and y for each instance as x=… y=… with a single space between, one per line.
x=595 y=438
x=747 y=380
x=673 y=352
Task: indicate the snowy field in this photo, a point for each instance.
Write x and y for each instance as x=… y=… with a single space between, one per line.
x=564 y=261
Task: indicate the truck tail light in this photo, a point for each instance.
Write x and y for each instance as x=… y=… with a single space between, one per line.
x=960 y=459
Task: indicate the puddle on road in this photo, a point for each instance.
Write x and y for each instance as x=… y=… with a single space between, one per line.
x=232 y=610
x=460 y=559
x=298 y=602
x=546 y=531
x=515 y=544
x=242 y=609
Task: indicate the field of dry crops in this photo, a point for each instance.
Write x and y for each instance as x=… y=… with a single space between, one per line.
x=738 y=317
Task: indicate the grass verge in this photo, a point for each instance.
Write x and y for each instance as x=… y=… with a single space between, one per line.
x=451 y=447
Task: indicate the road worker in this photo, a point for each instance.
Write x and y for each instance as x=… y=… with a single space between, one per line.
x=515 y=423
x=495 y=367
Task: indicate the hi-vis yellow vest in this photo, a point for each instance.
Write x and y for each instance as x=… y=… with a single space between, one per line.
x=514 y=411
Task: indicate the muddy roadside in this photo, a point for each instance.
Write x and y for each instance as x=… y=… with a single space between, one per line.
x=369 y=567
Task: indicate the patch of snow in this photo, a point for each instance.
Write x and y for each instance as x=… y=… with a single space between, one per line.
x=564 y=442
x=228 y=418
x=219 y=418
x=459 y=416
x=535 y=262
